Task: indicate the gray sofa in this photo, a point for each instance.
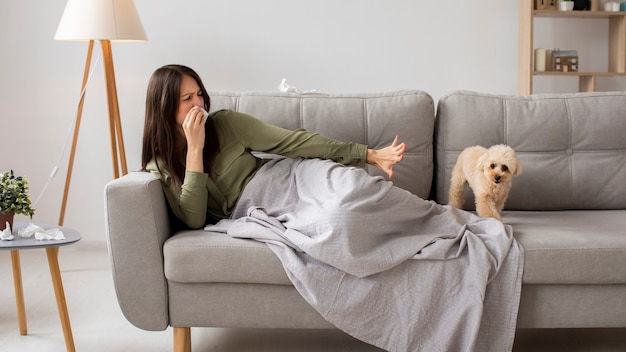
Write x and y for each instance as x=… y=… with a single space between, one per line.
x=567 y=209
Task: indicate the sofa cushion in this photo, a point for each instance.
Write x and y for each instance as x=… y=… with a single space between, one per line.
x=200 y=256
x=571 y=146
x=571 y=247
x=372 y=119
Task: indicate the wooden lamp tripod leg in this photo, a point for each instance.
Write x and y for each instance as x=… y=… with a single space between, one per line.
x=79 y=113
x=115 y=125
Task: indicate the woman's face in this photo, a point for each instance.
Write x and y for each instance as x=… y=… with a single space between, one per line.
x=190 y=96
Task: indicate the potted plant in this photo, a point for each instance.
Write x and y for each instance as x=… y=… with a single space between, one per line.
x=14 y=198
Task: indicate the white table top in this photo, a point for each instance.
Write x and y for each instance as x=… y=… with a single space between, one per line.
x=71 y=236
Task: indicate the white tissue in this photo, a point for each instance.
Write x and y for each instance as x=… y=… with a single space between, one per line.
x=39 y=233
x=52 y=234
x=285 y=88
x=29 y=230
x=6 y=234
x=204 y=112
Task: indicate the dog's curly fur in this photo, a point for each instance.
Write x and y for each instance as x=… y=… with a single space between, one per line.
x=489 y=173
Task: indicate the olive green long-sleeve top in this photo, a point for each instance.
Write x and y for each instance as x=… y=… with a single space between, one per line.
x=234 y=166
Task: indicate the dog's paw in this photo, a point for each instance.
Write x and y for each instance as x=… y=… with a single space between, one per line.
x=456 y=203
x=485 y=209
x=490 y=214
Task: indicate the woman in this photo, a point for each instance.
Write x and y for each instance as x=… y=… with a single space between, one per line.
x=205 y=166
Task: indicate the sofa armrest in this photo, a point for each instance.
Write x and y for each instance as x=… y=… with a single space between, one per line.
x=137 y=225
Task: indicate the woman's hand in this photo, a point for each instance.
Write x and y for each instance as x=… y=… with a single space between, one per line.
x=387 y=157
x=193 y=126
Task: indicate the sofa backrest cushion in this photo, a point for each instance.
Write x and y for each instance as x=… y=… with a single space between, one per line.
x=572 y=147
x=373 y=119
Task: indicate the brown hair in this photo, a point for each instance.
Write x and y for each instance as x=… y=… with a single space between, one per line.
x=162 y=99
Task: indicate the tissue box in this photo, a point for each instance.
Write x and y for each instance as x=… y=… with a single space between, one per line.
x=564 y=60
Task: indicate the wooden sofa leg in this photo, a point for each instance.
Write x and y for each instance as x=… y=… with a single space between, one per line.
x=182 y=339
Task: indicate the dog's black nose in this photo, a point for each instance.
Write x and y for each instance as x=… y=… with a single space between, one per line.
x=497 y=178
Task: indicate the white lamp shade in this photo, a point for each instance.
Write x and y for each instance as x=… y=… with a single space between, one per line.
x=115 y=20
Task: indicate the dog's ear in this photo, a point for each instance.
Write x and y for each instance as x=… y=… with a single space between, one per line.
x=480 y=161
x=513 y=162
x=517 y=170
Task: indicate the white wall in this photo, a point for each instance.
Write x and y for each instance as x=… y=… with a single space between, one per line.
x=333 y=46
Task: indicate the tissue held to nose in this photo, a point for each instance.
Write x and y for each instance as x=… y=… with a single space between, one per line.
x=204 y=112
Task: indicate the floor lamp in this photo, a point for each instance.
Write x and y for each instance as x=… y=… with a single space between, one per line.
x=103 y=21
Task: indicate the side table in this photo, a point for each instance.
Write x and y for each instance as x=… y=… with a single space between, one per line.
x=52 y=251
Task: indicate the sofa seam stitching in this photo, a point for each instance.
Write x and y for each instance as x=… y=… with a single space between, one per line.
x=505 y=122
x=301 y=111
x=569 y=148
x=366 y=119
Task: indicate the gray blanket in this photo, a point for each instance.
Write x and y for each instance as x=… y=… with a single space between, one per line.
x=382 y=264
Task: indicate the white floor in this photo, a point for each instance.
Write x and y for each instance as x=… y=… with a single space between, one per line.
x=98 y=324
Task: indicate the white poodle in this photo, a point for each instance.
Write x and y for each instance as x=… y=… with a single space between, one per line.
x=489 y=173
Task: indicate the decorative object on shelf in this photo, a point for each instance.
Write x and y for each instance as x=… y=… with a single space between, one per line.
x=104 y=21
x=566 y=5
x=581 y=5
x=622 y=6
x=546 y=4
x=564 y=61
x=593 y=5
x=540 y=60
x=611 y=6
x=14 y=198
x=549 y=59
x=543 y=4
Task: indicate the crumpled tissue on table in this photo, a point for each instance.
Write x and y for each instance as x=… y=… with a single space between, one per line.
x=40 y=233
x=6 y=234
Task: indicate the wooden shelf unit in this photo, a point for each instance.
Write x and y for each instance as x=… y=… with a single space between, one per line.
x=587 y=80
